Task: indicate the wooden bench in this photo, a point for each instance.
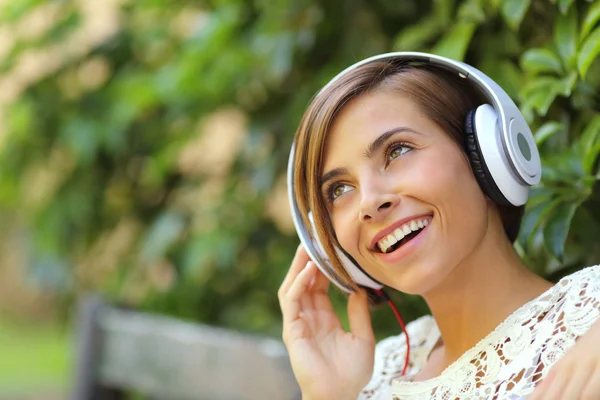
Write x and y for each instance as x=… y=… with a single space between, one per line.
x=123 y=351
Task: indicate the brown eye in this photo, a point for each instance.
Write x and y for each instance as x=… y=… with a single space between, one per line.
x=398 y=151
x=338 y=190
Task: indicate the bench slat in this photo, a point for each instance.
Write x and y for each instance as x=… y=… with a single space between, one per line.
x=173 y=359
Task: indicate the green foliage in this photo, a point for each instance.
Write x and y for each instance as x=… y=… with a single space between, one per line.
x=36 y=358
x=105 y=156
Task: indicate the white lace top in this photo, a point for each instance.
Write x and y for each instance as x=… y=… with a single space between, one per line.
x=507 y=364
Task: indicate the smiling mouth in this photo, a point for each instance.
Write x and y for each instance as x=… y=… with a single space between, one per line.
x=402 y=235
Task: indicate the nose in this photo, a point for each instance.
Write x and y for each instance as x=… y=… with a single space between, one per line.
x=376 y=204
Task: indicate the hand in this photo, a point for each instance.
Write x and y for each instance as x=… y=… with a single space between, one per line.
x=576 y=376
x=328 y=362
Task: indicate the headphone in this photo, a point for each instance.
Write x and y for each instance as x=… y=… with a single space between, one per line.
x=498 y=142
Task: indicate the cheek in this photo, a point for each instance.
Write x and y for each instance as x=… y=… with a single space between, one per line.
x=450 y=186
x=447 y=175
x=345 y=227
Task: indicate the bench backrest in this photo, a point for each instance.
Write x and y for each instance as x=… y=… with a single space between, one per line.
x=165 y=358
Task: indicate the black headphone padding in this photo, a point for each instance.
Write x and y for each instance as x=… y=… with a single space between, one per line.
x=480 y=169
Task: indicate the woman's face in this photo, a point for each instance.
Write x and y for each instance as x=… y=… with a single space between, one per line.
x=402 y=197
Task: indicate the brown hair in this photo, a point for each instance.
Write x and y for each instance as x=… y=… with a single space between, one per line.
x=441 y=95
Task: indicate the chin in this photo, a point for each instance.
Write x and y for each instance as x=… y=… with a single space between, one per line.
x=417 y=278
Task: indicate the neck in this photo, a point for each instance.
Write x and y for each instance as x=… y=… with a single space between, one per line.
x=480 y=293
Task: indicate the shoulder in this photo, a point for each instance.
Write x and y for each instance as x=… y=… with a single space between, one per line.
x=573 y=304
x=581 y=285
x=390 y=356
x=584 y=274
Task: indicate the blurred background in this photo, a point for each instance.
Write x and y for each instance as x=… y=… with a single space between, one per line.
x=143 y=148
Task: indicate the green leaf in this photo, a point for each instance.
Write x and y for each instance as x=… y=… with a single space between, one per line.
x=540 y=93
x=589 y=51
x=12 y=11
x=80 y=136
x=564 y=5
x=589 y=142
x=547 y=130
x=542 y=100
x=566 y=36
x=416 y=36
x=471 y=11
x=567 y=84
x=455 y=44
x=591 y=132
x=505 y=73
x=592 y=157
x=540 y=60
x=592 y=16
x=557 y=229
x=496 y=4
x=514 y=11
x=161 y=236
x=443 y=10
x=533 y=218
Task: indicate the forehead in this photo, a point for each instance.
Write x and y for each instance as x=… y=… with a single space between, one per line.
x=366 y=117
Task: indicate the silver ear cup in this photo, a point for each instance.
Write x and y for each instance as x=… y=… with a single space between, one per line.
x=486 y=131
x=518 y=144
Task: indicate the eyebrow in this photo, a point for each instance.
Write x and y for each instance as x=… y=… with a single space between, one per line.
x=380 y=141
x=373 y=147
x=332 y=174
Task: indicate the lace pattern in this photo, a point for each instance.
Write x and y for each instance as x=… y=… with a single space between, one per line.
x=390 y=357
x=508 y=363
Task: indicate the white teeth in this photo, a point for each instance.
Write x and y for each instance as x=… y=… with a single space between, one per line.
x=383 y=245
x=399 y=234
x=387 y=242
x=391 y=239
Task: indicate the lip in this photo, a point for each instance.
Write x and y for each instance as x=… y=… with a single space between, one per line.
x=384 y=232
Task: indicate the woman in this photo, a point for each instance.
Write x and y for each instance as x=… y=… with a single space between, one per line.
x=382 y=167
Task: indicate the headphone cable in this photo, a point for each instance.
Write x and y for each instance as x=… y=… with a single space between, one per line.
x=386 y=298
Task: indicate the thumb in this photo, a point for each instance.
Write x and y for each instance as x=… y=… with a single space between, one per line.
x=360 y=317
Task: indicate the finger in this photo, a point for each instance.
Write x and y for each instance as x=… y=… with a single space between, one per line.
x=319 y=287
x=555 y=390
x=322 y=302
x=576 y=384
x=592 y=388
x=290 y=304
x=359 y=316
x=544 y=389
x=321 y=282
x=306 y=300
x=540 y=388
x=298 y=264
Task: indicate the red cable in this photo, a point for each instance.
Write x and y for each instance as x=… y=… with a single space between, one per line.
x=399 y=318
